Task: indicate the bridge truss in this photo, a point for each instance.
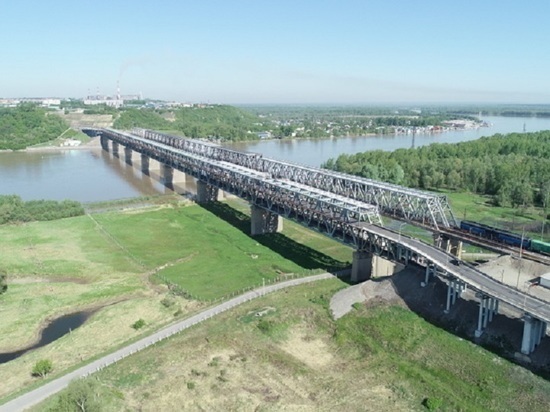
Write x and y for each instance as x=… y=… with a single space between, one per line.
x=392 y=200
x=323 y=211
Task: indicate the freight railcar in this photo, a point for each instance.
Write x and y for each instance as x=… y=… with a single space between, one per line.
x=497 y=235
x=540 y=247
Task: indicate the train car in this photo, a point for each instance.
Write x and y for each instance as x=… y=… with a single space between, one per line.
x=540 y=247
x=512 y=239
x=495 y=234
x=475 y=228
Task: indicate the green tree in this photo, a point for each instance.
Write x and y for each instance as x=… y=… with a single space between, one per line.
x=80 y=396
x=42 y=368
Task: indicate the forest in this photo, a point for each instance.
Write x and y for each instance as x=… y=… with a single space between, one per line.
x=513 y=169
x=28 y=125
x=216 y=121
x=13 y=209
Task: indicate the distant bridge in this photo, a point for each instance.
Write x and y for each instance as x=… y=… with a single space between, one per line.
x=337 y=205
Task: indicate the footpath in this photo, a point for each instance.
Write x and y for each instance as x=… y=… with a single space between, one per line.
x=37 y=395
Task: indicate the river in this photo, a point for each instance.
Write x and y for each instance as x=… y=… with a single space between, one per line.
x=94 y=175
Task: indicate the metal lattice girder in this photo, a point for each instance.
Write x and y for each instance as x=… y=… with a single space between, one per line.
x=328 y=213
x=394 y=200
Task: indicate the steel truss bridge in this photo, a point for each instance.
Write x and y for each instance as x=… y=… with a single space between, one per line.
x=322 y=203
x=393 y=200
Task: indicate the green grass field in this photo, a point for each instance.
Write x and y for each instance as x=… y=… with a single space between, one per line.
x=470 y=206
x=284 y=352
x=107 y=260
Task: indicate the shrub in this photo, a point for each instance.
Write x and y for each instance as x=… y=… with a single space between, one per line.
x=138 y=324
x=432 y=404
x=42 y=368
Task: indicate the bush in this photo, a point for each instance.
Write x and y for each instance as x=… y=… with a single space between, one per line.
x=138 y=324
x=42 y=368
x=167 y=303
x=266 y=326
x=191 y=385
x=432 y=404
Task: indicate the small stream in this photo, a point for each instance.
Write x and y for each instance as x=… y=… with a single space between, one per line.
x=55 y=329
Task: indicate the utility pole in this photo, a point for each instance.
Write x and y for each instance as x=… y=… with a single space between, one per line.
x=520 y=255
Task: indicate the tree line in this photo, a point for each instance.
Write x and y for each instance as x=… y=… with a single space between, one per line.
x=217 y=121
x=13 y=209
x=514 y=169
x=28 y=125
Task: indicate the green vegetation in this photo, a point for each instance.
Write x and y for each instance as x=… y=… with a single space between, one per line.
x=188 y=237
x=382 y=356
x=105 y=263
x=42 y=368
x=80 y=396
x=218 y=121
x=327 y=121
x=145 y=118
x=138 y=324
x=13 y=209
x=513 y=169
x=28 y=125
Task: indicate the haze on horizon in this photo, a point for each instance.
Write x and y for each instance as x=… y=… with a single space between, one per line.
x=261 y=52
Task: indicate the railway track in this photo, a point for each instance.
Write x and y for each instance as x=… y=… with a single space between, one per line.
x=495 y=246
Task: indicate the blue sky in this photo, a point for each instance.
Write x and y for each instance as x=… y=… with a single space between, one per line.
x=264 y=51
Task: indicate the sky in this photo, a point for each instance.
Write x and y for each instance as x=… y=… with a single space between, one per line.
x=276 y=52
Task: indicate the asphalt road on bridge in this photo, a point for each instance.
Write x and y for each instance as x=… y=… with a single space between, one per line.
x=473 y=277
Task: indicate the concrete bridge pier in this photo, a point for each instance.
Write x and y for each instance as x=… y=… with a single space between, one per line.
x=263 y=221
x=488 y=307
x=366 y=265
x=166 y=175
x=144 y=164
x=450 y=245
x=114 y=148
x=208 y=193
x=104 y=143
x=455 y=287
x=128 y=155
x=533 y=332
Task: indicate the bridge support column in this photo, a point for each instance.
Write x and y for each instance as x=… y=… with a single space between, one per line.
x=263 y=221
x=403 y=255
x=450 y=245
x=430 y=272
x=361 y=266
x=104 y=143
x=455 y=287
x=207 y=193
x=128 y=155
x=114 y=148
x=145 y=164
x=167 y=175
x=533 y=332
x=366 y=265
x=488 y=306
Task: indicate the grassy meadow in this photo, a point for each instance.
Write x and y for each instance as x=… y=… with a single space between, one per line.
x=284 y=352
x=111 y=263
